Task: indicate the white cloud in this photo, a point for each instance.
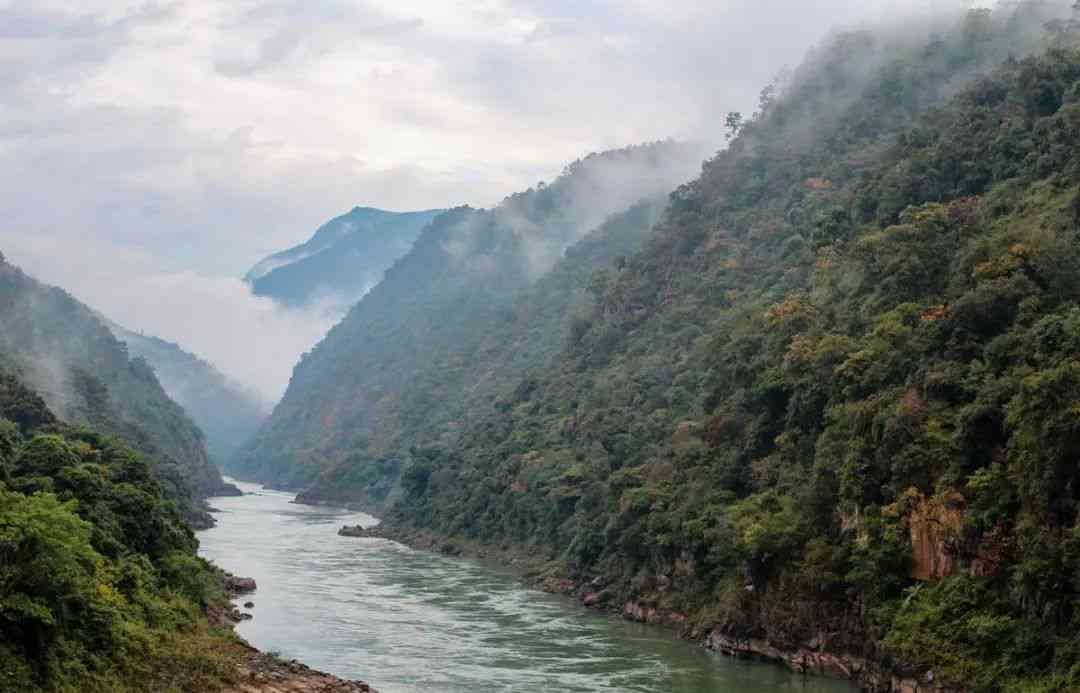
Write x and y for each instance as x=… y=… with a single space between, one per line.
x=252 y=339
x=149 y=152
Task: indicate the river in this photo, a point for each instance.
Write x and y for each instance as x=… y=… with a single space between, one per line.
x=407 y=621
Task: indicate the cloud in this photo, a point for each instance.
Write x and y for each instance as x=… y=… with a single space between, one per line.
x=295 y=31
x=252 y=339
x=158 y=150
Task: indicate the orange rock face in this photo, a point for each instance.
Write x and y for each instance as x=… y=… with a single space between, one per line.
x=934 y=524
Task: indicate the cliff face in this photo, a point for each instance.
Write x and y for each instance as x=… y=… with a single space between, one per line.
x=934 y=525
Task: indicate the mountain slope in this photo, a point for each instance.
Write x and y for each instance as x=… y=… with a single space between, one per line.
x=223 y=410
x=64 y=351
x=438 y=403
x=396 y=355
x=343 y=260
x=102 y=590
x=830 y=408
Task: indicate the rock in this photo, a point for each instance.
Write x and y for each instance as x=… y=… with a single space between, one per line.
x=245 y=617
x=645 y=612
x=249 y=605
x=355 y=531
x=261 y=673
x=239 y=585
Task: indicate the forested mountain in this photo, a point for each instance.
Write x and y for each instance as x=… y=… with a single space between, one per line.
x=439 y=402
x=830 y=406
x=342 y=261
x=409 y=357
x=64 y=351
x=100 y=587
x=224 y=411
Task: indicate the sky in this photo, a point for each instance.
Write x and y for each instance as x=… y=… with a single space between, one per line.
x=151 y=152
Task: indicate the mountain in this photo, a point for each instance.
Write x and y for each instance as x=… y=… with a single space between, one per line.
x=405 y=353
x=829 y=410
x=223 y=410
x=102 y=590
x=63 y=350
x=438 y=403
x=342 y=261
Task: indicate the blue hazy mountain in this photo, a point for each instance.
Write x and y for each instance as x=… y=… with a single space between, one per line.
x=342 y=261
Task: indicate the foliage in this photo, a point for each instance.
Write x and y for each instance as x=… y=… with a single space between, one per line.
x=396 y=373
x=830 y=401
x=861 y=319
x=100 y=589
x=67 y=353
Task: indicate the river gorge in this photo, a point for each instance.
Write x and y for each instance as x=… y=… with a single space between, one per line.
x=409 y=621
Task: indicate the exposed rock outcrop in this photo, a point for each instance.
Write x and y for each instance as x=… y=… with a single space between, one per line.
x=235 y=586
x=869 y=675
x=354 y=531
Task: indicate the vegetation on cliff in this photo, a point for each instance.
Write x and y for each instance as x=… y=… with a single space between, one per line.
x=832 y=402
x=63 y=350
x=455 y=323
x=100 y=588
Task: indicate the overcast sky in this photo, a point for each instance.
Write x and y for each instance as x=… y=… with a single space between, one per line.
x=151 y=152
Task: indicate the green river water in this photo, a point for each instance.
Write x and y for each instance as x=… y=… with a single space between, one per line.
x=406 y=620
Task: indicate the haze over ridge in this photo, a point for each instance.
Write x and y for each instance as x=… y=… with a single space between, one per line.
x=172 y=145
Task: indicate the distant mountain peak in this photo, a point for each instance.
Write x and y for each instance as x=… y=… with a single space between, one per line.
x=342 y=260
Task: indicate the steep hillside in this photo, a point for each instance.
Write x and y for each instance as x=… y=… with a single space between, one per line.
x=413 y=343
x=342 y=261
x=223 y=410
x=441 y=401
x=831 y=408
x=101 y=590
x=64 y=351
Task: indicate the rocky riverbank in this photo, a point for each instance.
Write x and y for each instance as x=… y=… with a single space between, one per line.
x=259 y=672
x=814 y=657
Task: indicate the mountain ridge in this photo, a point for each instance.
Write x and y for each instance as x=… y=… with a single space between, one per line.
x=469 y=263
x=225 y=411
x=344 y=258
x=69 y=355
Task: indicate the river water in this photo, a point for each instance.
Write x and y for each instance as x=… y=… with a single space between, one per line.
x=407 y=621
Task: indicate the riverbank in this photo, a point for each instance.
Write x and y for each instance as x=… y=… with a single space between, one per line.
x=817 y=656
x=260 y=672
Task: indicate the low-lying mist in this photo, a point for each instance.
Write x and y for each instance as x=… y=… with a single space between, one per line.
x=251 y=339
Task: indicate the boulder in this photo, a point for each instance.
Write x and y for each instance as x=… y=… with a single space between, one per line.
x=239 y=585
x=355 y=531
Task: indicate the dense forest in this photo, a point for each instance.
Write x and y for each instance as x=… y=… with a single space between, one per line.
x=830 y=404
x=342 y=261
x=392 y=369
x=100 y=588
x=819 y=395
x=66 y=352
